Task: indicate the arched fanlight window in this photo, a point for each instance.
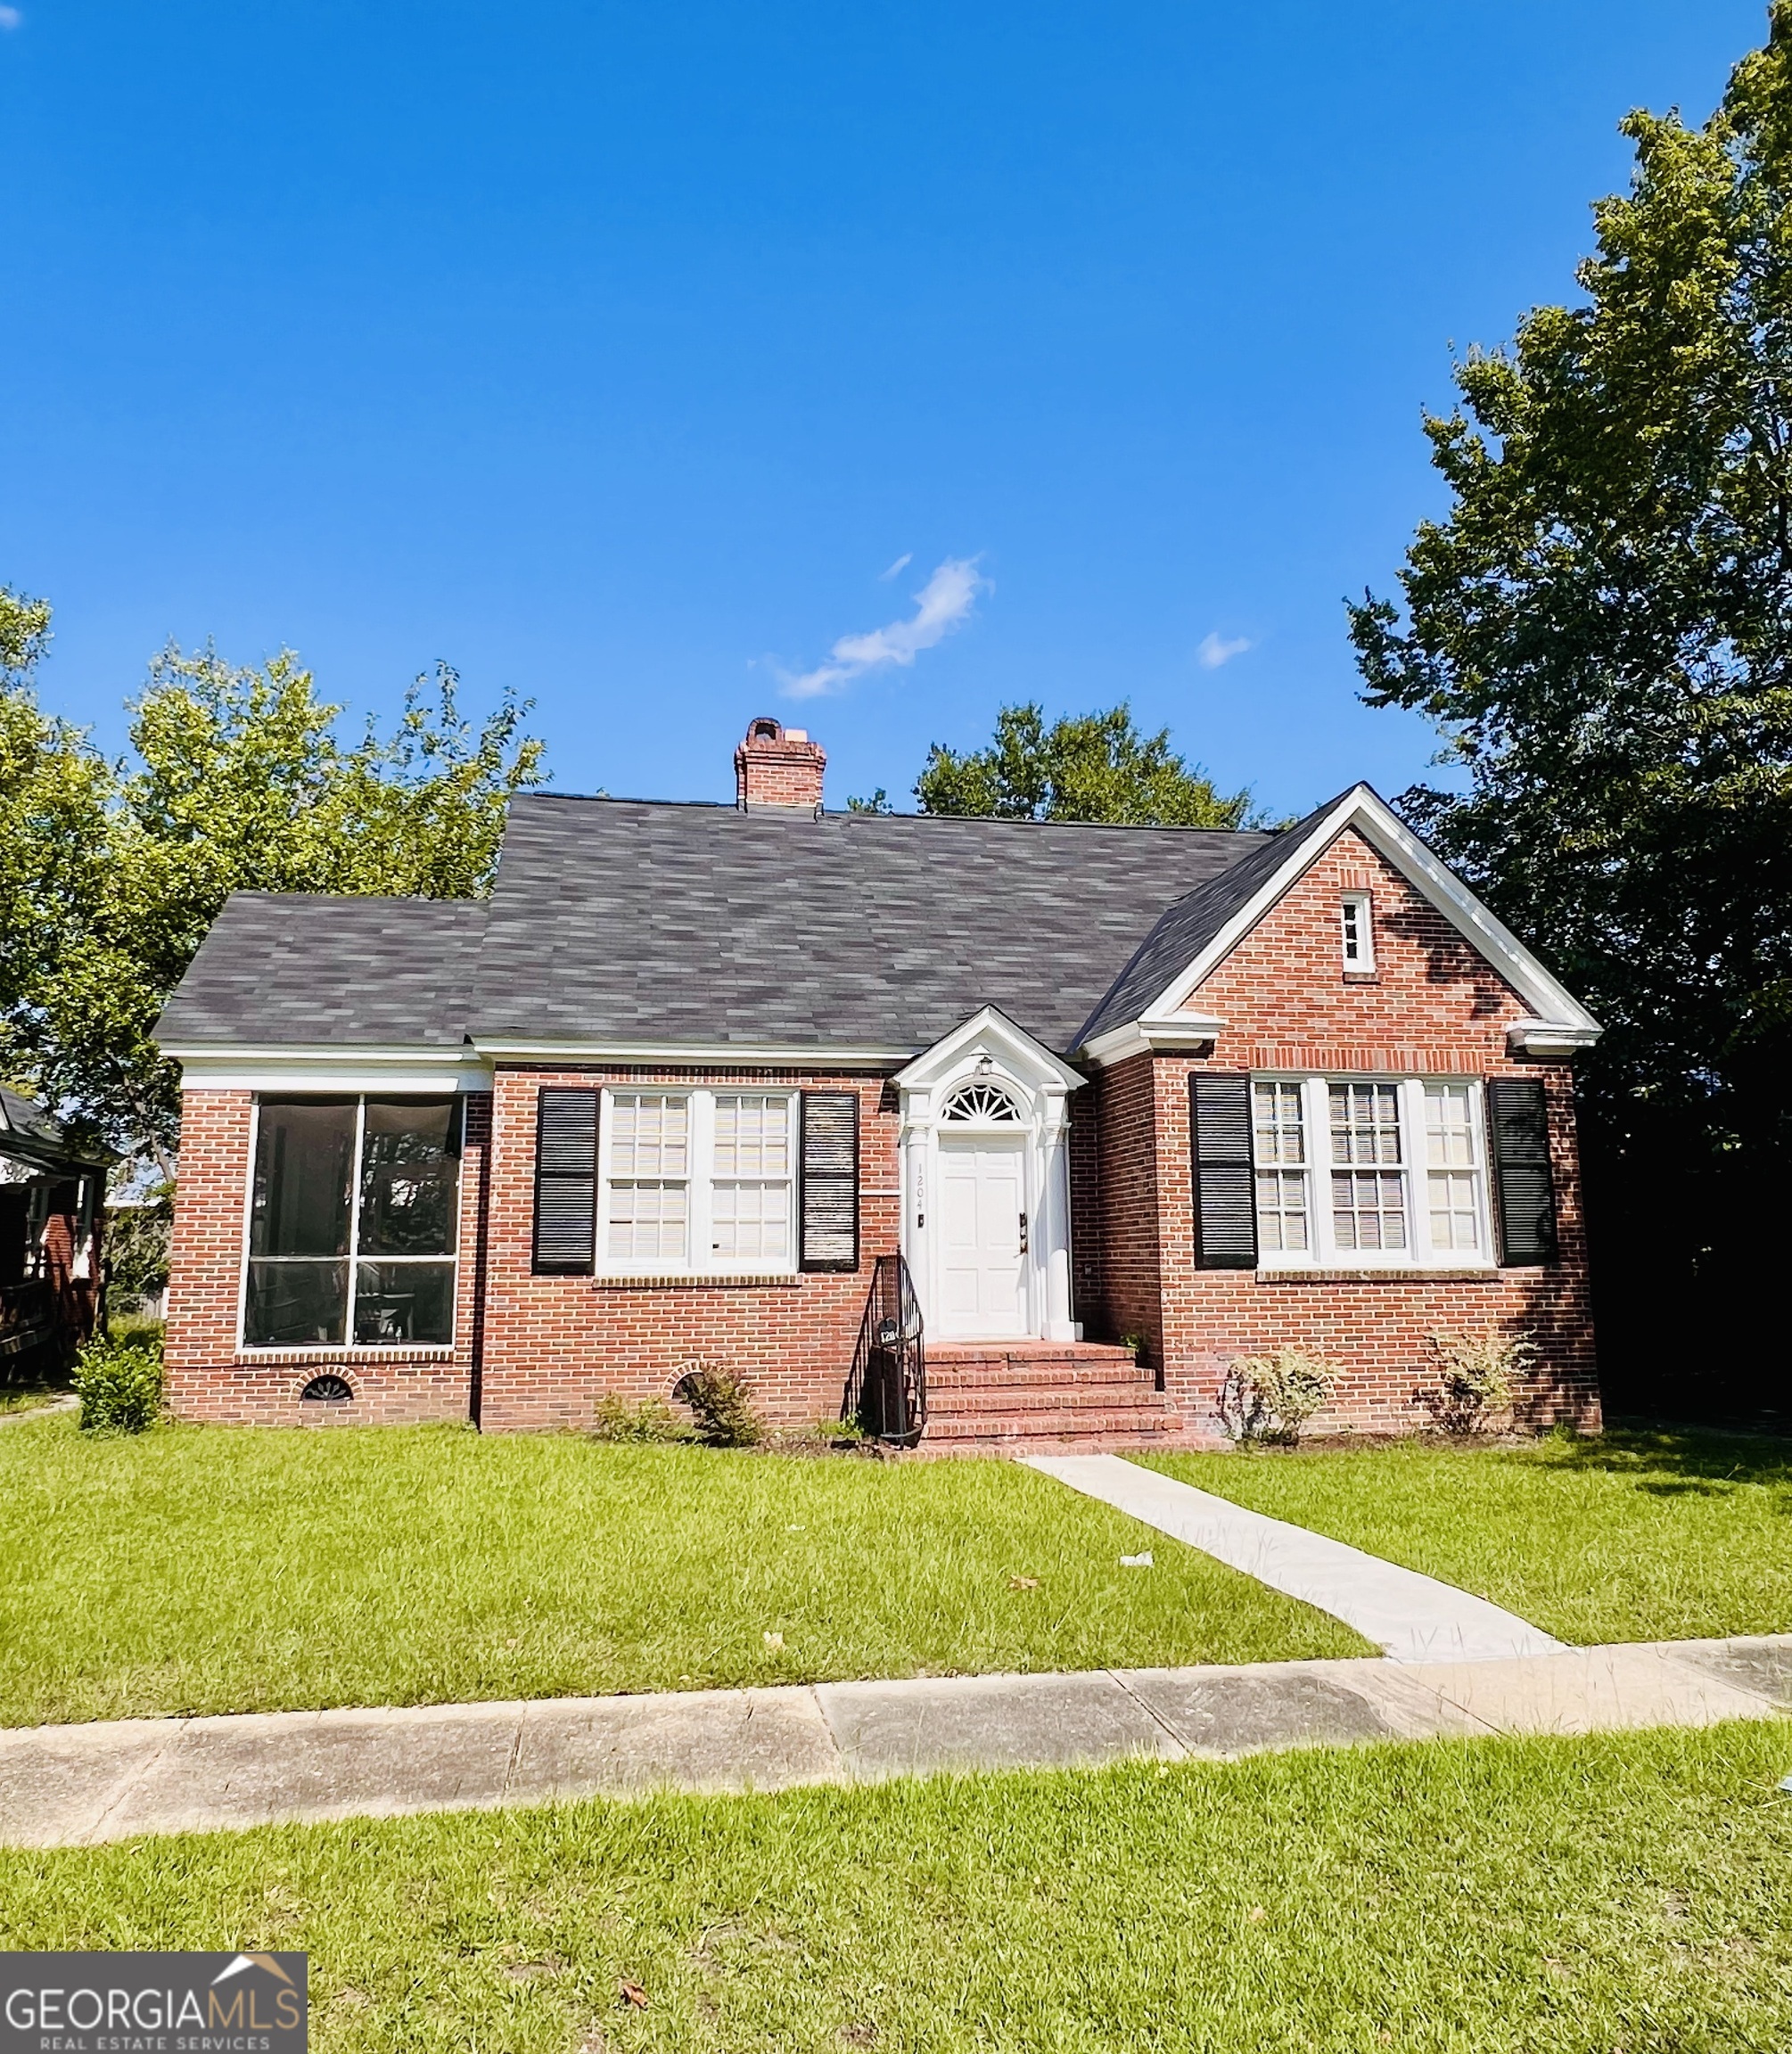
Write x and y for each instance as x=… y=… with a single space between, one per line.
x=982 y=1101
x=326 y=1391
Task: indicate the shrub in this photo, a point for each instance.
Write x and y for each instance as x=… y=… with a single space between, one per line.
x=1271 y=1397
x=1476 y=1373
x=652 y=1419
x=119 y=1385
x=724 y=1415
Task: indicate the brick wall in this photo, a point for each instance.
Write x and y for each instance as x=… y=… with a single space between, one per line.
x=1433 y=1005
x=209 y=1377
x=553 y=1345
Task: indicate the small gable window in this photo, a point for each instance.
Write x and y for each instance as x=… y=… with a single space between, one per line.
x=1357 y=916
x=980 y=1102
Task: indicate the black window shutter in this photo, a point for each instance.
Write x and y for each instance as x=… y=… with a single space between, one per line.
x=565 y=1181
x=1225 y=1185
x=1518 y=1124
x=830 y=1180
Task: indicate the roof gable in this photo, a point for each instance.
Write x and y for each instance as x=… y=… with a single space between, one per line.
x=1198 y=932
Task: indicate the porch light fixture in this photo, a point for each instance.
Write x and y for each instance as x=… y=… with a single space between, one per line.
x=985 y=1067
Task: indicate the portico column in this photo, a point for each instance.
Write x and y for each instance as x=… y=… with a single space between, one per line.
x=918 y=1192
x=1059 y=1323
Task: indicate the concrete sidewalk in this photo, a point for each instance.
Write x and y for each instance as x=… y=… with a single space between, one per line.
x=1409 y=1616
x=76 y=1786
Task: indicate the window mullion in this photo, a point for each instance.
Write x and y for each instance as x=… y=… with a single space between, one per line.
x=354 y=1221
x=1319 y=1110
x=699 y=1171
x=1415 y=1149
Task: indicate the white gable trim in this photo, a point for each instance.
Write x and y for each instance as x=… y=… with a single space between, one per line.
x=1560 y=1022
x=989 y=1031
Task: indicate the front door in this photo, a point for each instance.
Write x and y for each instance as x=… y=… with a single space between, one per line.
x=982 y=1239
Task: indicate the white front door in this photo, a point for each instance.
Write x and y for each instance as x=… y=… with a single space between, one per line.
x=982 y=1250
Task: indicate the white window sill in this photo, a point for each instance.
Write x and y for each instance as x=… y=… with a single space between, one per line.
x=1378 y=1273
x=696 y=1280
x=347 y=1352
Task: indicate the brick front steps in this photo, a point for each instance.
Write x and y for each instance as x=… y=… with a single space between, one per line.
x=1039 y=1394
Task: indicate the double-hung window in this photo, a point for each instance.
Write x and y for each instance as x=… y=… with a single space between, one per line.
x=1369 y=1171
x=353 y=1214
x=697 y=1179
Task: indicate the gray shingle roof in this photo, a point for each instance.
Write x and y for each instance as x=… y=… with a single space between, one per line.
x=640 y=921
x=31 y=1134
x=1189 y=925
x=617 y=919
x=291 y=967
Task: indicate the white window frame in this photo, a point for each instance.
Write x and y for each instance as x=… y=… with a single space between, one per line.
x=1322 y=1252
x=347 y=1344
x=1362 y=940
x=701 y=1260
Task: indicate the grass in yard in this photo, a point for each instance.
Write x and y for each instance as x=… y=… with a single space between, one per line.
x=198 y=1569
x=29 y=1394
x=1650 y=1534
x=1628 y=1892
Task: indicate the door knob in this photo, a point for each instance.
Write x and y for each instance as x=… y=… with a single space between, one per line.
x=1024 y=1233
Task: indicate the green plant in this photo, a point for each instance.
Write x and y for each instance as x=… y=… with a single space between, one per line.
x=726 y=1415
x=119 y=1384
x=1271 y=1397
x=1476 y=1373
x=652 y=1419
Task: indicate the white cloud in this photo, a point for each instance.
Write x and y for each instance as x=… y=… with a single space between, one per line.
x=945 y=602
x=901 y=563
x=1218 y=649
x=10 y=17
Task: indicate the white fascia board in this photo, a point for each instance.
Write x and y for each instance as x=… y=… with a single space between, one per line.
x=722 y=1054
x=214 y=1067
x=1143 y=1037
x=989 y=1028
x=1371 y=816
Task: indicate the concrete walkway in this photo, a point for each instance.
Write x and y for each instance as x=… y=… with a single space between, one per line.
x=1410 y=1617
x=74 y=1785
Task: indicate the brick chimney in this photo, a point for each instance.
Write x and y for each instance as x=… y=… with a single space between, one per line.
x=778 y=766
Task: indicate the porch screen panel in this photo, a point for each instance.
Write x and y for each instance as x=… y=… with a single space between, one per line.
x=829 y=1160
x=300 y=1205
x=409 y=1212
x=565 y=1181
x=1518 y=1130
x=1225 y=1179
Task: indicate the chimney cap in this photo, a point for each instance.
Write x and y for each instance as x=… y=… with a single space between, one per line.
x=778 y=766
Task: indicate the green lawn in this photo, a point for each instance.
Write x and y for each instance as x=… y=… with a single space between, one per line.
x=26 y=1397
x=1628 y=1892
x=1643 y=1535
x=203 y=1569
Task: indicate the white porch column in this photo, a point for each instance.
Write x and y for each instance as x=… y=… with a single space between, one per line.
x=1059 y=1324
x=918 y=1192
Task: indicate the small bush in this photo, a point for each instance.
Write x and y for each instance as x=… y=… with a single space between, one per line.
x=1476 y=1374
x=119 y=1385
x=652 y=1419
x=1271 y=1397
x=726 y=1415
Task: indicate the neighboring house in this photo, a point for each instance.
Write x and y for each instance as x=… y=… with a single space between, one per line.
x=50 y=1195
x=778 y=1089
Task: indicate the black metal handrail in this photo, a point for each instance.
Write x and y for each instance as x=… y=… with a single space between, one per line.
x=886 y=1393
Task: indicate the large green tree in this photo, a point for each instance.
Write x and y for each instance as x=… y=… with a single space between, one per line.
x=1083 y=766
x=236 y=779
x=1601 y=626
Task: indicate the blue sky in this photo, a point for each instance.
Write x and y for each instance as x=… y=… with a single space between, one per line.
x=618 y=353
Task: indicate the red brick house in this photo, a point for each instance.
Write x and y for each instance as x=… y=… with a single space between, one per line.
x=1085 y=1112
